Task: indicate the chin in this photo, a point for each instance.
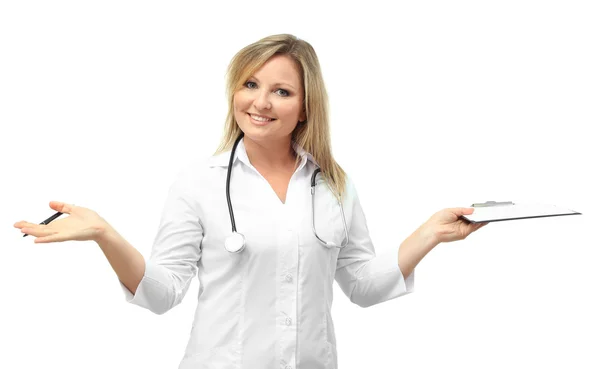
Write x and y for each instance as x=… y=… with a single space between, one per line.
x=258 y=136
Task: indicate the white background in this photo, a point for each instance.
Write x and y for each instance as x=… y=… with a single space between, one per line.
x=433 y=103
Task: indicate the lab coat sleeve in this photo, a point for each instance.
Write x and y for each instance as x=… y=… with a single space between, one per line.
x=173 y=262
x=366 y=278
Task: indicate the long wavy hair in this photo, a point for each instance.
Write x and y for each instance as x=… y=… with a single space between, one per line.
x=313 y=135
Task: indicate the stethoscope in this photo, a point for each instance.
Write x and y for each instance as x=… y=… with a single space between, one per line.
x=236 y=242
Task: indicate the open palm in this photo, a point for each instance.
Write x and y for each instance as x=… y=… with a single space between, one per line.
x=82 y=224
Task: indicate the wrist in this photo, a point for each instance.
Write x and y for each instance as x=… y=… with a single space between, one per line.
x=414 y=248
x=103 y=233
x=427 y=236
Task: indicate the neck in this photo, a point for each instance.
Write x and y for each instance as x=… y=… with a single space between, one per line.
x=271 y=155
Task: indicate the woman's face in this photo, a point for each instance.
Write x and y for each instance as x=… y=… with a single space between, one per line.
x=270 y=103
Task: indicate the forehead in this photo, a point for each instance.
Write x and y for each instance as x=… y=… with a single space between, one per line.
x=279 y=69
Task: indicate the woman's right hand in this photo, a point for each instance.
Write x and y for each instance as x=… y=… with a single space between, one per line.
x=82 y=224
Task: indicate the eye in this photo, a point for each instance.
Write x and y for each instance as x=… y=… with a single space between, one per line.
x=282 y=92
x=250 y=84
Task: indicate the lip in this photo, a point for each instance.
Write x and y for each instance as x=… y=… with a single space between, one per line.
x=262 y=116
x=259 y=123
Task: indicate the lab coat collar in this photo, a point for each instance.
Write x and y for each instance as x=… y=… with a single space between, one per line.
x=222 y=159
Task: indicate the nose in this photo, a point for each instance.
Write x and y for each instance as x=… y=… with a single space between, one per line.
x=262 y=102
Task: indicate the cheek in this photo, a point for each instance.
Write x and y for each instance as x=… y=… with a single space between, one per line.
x=239 y=102
x=289 y=112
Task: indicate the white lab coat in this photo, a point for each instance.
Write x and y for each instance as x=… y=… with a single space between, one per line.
x=270 y=305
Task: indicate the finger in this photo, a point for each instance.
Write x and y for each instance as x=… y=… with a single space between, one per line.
x=49 y=235
x=62 y=207
x=470 y=228
x=38 y=230
x=22 y=223
x=479 y=225
x=51 y=238
x=462 y=211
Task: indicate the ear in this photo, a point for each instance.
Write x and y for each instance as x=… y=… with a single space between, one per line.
x=302 y=116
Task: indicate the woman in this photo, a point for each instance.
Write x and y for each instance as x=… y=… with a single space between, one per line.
x=266 y=259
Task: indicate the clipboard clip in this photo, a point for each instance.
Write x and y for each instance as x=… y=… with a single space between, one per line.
x=492 y=203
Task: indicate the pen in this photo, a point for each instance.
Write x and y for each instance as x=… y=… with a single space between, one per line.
x=492 y=203
x=48 y=220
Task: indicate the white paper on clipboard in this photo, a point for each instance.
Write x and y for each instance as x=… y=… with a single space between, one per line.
x=495 y=213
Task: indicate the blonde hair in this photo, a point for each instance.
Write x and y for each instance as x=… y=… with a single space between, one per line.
x=313 y=134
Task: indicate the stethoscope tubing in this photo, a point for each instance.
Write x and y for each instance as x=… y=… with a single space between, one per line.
x=236 y=242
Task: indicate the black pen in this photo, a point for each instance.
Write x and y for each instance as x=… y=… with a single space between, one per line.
x=48 y=220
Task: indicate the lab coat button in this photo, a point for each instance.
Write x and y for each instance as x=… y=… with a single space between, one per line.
x=288 y=321
x=288 y=277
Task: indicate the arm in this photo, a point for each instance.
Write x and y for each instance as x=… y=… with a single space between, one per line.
x=414 y=249
x=125 y=260
x=161 y=282
x=444 y=226
x=366 y=278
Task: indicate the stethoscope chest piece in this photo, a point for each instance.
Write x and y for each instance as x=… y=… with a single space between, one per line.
x=235 y=242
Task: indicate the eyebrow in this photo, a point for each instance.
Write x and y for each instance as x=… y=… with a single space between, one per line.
x=277 y=84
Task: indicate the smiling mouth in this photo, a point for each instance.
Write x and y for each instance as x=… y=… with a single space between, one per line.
x=259 y=118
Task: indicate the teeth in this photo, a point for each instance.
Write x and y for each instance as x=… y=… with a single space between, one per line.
x=260 y=119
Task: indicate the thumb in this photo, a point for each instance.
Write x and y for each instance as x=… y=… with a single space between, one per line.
x=61 y=207
x=462 y=211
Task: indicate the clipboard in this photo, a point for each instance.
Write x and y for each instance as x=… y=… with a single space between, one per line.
x=492 y=211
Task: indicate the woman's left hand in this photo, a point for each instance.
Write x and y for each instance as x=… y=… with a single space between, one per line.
x=446 y=225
